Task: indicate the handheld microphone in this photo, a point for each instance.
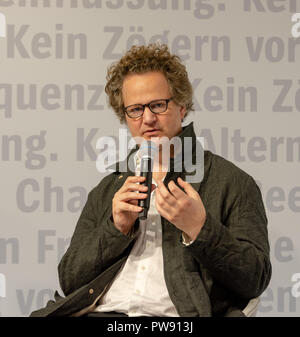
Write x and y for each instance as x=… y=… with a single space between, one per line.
x=148 y=151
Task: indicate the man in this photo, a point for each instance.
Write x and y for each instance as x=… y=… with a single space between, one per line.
x=202 y=251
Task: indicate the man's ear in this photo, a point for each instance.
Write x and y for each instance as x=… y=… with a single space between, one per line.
x=182 y=112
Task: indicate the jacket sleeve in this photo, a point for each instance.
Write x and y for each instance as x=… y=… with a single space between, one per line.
x=96 y=243
x=236 y=252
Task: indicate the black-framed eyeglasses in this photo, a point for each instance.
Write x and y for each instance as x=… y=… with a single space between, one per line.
x=157 y=106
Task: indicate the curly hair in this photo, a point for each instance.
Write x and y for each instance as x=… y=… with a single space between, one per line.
x=142 y=59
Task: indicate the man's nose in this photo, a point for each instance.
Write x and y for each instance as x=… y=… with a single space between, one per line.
x=148 y=116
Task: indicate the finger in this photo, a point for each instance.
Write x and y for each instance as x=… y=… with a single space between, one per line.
x=131 y=196
x=162 y=208
x=176 y=191
x=132 y=180
x=123 y=206
x=188 y=188
x=163 y=203
x=135 y=179
x=166 y=195
x=153 y=187
x=133 y=187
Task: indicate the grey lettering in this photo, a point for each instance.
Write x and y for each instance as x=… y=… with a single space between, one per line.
x=225 y=41
x=275 y=142
x=203 y=10
x=49 y=190
x=14 y=251
x=162 y=38
x=267 y=296
x=283 y=300
x=51 y=97
x=50 y=92
x=252 y=91
x=39 y=41
x=275 y=194
x=139 y=4
x=237 y=140
x=270 y=5
x=283 y=248
x=62 y=245
x=27 y=202
x=294 y=198
x=279 y=46
x=256 y=144
x=135 y=39
x=84 y=144
x=82 y=39
x=297 y=98
x=215 y=41
x=117 y=33
x=224 y=142
x=254 y=51
x=6 y=3
x=92 y=3
x=6 y=105
x=48 y=242
x=15 y=41
x=17 y=142
x=76 y=203
x=20 y=194
x=79 y=90
x=278 y=104
x=212 y=94
x=43 y=45
x=114 y=4
x=181 y=42
x=97 y=91
x=273 y=7
x=21 y=104
x=258 y=5
x=157 y=4
x=290 y=148
x=282 y=292
x=26 y=302
x=216 y=98
x=199 y=42
x=209 y=141
x=274 y=48
x=35 y=143
x=43 y=246
x=195 y=84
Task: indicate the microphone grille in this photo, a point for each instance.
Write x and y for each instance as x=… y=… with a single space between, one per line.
x=148 y=149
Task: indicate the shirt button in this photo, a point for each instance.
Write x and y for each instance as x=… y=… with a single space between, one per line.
x=91 y=291
x=121 y=176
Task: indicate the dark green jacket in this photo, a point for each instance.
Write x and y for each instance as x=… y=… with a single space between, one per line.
x=226 y=265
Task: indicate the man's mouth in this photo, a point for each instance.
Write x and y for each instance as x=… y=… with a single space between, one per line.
x=151 y=131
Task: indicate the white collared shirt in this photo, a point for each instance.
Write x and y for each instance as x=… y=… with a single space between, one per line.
x=139 y=289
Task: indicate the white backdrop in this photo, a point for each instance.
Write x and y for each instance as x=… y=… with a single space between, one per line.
x=244 y=65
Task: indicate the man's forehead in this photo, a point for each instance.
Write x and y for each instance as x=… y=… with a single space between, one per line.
x=153 y=80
